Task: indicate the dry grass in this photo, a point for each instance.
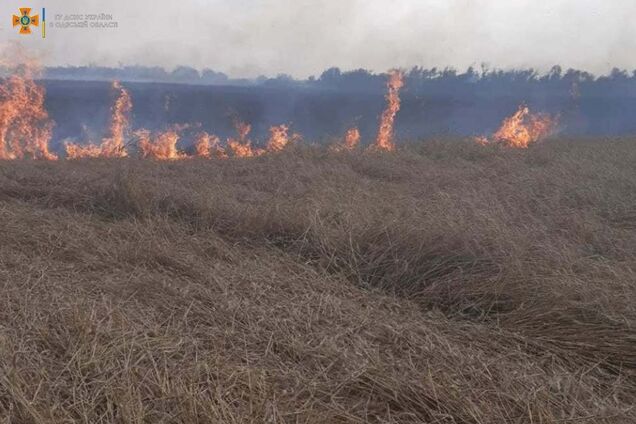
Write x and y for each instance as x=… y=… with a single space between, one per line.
x=445 y=283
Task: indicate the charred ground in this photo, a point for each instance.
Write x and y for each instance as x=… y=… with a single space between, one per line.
x=445 y=282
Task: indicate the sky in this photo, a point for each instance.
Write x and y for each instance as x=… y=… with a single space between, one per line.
x=248 y=38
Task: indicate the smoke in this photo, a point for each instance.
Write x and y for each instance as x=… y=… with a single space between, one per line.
x=303 y=37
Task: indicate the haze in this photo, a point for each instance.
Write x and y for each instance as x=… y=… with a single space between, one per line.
x=247 y=38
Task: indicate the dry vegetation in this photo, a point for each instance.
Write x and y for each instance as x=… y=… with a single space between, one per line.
x=447 y=283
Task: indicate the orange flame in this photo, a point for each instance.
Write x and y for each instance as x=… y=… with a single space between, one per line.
x=279 y=138
x=482 y=140
x=208 y=146
x=241 y=150
x=160 y=146
x=352 y=138
x=242 y=146
x=113 y=146
x=384 y=140
x=25 y=126
x=523 y=128
x=350 y=141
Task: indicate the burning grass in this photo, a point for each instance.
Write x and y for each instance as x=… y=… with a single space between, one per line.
x=445 y=282
x=385 y=140
x=25 y=128
x=113 y=146
x=522 y=129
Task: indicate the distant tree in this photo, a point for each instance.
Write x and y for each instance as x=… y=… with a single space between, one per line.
x=144 y=73
x=359 y=79
x=185 y=74
x=208 y=76
x=330 y=77
x=470 y=75
x=554 y=74
x=281 y=80
x=618 y=75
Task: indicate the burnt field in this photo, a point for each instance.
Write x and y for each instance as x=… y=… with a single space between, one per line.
x=321 y=112
x=443 y=282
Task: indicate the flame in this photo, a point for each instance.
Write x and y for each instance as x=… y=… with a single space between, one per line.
x=242 y=146
x=25 y=126
x=113 y=146
x=208 y=146
x=160 y=146
x=384 y=140
x=120 y=122
x=482 y=140
x=279 y=138
x=352 y=138
x=523 y=128
x=350 y=141
x=240 y=150
x=242 y=129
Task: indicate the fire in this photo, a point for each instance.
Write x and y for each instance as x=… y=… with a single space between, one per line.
x=208 y=146
x=350 y=141
x=482 y=140
x=243 y=129
x=352 y=138
x=160 y=146
x=522 y=129
x=241 y=150
x=242 y=146
x=120 y=122
x=25 y=126
x=384 y=140
x=279 y=138
x=113 y=146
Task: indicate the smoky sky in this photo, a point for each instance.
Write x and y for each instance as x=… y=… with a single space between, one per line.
x=247 y=38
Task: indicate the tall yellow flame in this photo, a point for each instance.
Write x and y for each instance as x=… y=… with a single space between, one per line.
x=384 y=140
x=113 y=146
x=25 y=126
x=208 y=146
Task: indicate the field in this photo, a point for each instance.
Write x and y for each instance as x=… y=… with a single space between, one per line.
x=446 y=282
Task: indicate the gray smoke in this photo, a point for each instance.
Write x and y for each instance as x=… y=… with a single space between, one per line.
x=245 y=38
